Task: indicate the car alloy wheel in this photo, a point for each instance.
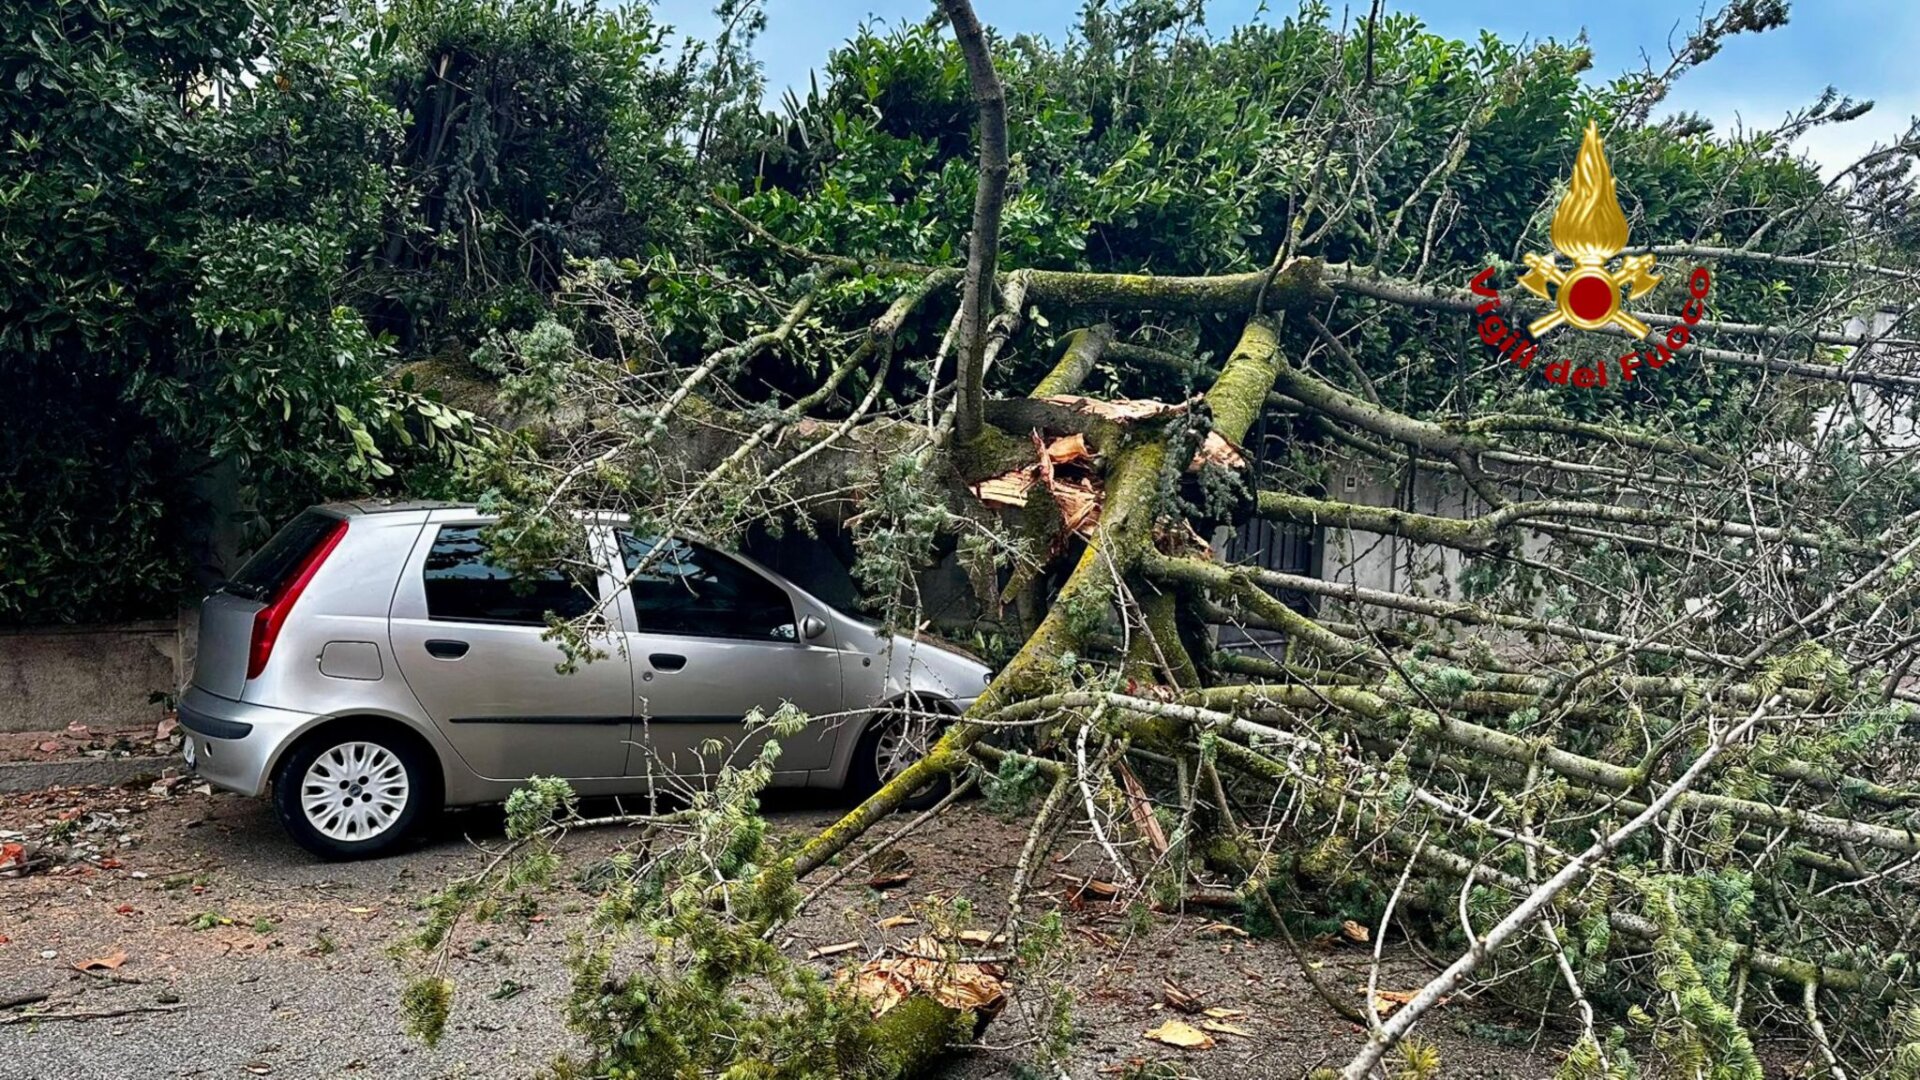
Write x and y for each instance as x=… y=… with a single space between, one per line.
x=354 y=791
x=892 y=743
x=902 y=742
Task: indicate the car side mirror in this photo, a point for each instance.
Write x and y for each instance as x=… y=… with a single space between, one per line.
x=812 y=627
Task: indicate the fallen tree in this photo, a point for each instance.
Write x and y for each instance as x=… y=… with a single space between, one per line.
x=1646 y=688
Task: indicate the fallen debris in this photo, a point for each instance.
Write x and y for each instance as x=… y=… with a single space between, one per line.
x=32 y=1017
x=1224 y=1028
x=110 y=962
x=1178 y=997
x=1388 y=1002
x=922 y=967
x=1181 y=1034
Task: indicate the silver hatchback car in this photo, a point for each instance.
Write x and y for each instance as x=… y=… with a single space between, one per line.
x=371 y=664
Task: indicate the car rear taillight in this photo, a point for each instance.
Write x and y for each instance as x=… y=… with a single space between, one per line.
x=268 y=620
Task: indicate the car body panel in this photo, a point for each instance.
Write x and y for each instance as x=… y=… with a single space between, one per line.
x=884 y=669
x=354 y=645
x=691 y=689
x=503 y=703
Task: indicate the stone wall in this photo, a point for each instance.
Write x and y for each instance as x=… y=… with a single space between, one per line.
x=101 y=676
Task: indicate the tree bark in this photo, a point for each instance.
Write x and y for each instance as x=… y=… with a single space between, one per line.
x=983 y=246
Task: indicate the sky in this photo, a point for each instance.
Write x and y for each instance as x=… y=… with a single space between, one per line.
x=1868 y=49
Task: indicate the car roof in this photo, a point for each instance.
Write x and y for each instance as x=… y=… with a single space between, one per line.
x=423 y=509
x=392 y=506
x=430 y=510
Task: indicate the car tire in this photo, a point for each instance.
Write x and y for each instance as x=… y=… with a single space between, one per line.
x=355 y=790
x=895 y=739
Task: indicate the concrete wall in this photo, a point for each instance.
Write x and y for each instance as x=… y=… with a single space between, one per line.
x=100 y=676
x=1390 y=563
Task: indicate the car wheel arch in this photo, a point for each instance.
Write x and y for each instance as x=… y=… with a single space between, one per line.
x=320 y=726
x=905 y=699
x=908 y=699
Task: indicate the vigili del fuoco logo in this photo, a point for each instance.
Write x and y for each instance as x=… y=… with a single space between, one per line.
x=1590 y=230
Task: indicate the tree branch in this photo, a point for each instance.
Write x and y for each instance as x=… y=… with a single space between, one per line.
x=983 y=245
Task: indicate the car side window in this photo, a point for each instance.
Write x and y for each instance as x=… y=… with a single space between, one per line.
x=464 y=585
x=694 y=590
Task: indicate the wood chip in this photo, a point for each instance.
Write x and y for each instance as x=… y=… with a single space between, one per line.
x=888 y=881
x=1178 y=997
x=832 y=950
x=1227 y=1014
x=1085 y=889
x=1142 y=808
x=1182 y=1034
x=1067 y=450
x=1007 y=489
x=893 y=921
x=982 y=937
x=1354 y=932
x=1216 y=450
x=962 y=985
x=1120 y=409
x=1079 y=504
x=1224 y=928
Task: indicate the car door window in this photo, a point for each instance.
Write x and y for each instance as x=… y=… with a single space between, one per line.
x=464 y=585
x=690 y=589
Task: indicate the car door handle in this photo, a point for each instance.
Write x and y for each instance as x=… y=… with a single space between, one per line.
x=666 y=661
x=443 y=649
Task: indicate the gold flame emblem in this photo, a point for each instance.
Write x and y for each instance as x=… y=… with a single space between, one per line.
x=1589 y=228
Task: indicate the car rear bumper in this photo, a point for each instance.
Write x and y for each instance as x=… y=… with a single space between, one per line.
x=235 y=744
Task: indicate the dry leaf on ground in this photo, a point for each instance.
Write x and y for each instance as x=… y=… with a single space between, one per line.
x=1353 y=931
x=1224 y=928
x=1182 y=1034
x=1225 y=1028
x=109 y=962
x=1179 y=997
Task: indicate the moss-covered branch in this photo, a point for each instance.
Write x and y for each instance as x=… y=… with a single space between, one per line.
x=1296 y=284
x=1083 y=351
x=1479 y=739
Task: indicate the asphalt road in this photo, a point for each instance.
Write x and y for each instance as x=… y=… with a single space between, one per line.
x=261 y=961
x=272 y=964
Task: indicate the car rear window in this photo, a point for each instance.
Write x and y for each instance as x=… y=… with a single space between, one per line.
x=280 y=558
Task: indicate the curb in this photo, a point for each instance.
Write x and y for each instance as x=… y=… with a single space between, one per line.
x=74 y=772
